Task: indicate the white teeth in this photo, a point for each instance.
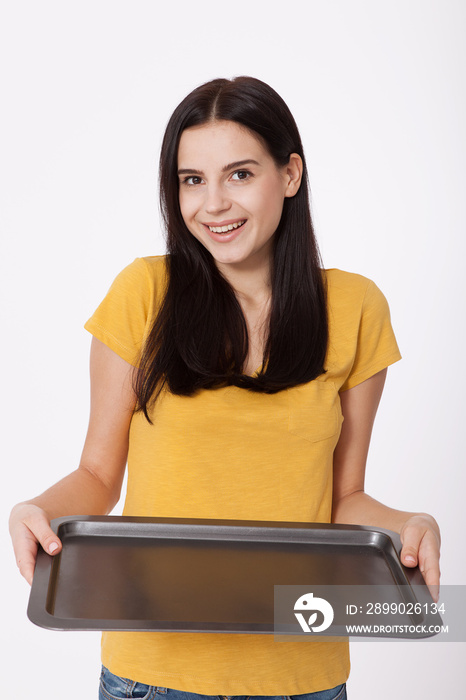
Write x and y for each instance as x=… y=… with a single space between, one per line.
x=224 y=229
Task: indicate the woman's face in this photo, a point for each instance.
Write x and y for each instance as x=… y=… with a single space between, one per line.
x=231 y=192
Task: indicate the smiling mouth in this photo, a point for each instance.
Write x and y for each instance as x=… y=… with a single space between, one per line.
x=226 y=229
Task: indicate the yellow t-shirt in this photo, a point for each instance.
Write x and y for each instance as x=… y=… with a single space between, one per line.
x=229 y=453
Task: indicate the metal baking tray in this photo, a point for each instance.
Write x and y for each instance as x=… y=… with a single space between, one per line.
x=166 y=574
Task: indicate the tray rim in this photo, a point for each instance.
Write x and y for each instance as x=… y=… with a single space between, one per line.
x=258 y=530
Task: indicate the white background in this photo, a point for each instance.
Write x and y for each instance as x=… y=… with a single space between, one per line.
x=377 y=89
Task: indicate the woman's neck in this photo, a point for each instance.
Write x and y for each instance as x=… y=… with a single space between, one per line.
x=251 y=283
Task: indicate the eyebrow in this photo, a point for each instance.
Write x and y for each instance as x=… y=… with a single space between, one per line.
x=230 y=166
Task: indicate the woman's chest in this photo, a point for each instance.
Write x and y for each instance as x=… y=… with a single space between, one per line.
x=236 y=419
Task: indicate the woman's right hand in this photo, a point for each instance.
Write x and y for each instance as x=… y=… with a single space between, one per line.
x=29 y=528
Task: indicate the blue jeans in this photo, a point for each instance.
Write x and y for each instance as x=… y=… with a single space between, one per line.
x=114 y=688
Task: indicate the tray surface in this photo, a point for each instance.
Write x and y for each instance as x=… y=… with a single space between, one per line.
x=123 y=573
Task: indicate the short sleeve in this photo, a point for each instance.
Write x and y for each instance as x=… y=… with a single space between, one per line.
x=376 y=346
x=121 y=320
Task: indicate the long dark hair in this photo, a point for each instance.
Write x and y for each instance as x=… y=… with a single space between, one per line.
x=199 y=339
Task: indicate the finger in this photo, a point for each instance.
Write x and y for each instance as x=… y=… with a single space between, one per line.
x=411 y=538
x=26 y=552
x=41 y=530
x=432 y=579
x=434 y=590
x=429 y=565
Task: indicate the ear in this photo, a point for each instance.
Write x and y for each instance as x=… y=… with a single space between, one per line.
x=293 y=174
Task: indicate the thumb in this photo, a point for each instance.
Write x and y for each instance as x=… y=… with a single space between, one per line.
x=30 y=527
x=39 y=526
x=411 y=538
x=409 y=556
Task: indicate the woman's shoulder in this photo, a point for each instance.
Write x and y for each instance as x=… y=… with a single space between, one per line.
x=143 y=273
x=141 y=282
x=153 y=261
x=362 y=341
x=344 y=280
x=154 y=264
x=352 y=292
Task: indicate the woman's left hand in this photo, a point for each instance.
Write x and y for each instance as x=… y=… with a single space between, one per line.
x=420 y=537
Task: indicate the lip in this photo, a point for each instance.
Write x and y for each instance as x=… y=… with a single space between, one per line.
x=227 y=222
x=225 y=237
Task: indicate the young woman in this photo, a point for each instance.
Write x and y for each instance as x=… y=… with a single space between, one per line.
x=239 y=380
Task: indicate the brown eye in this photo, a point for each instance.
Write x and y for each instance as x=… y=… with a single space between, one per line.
x=242 y=175
x=192 y=180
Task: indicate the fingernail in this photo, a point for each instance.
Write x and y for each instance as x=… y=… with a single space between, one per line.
x=53 y=547
x=410 y=558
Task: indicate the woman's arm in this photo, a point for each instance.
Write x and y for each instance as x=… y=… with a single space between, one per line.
x=94 y=488
x=419 y=532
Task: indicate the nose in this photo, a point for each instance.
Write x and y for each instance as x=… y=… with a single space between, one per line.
x=216 y=199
